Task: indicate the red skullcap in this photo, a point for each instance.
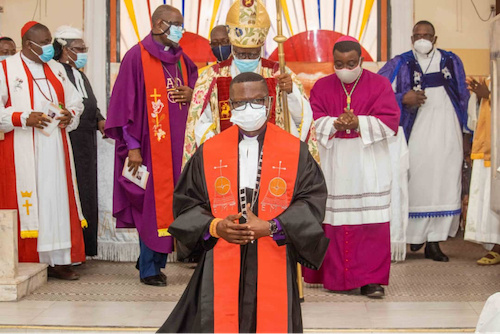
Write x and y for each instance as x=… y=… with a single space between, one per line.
x=27 y=27
x=347 y=39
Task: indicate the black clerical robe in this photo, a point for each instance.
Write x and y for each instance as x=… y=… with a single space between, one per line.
x=301 y=223
x=84 y=144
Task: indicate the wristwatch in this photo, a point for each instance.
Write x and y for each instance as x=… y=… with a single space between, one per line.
x=273 y=228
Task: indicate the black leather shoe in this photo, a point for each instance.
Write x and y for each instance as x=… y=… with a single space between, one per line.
x=373 y=291
x=154 y=281
x=416 y=247
x=432 y=251
x=163 y=277
x=63 y=272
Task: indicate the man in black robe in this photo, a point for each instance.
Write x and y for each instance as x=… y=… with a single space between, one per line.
x=246 y=278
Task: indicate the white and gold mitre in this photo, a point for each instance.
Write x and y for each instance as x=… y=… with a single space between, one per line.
x=248 y=23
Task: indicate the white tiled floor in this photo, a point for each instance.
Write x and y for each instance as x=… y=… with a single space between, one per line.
x=316 y=316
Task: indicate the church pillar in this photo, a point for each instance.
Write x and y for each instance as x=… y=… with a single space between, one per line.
x=8 y=243
x=95 y=35
x=16 y=279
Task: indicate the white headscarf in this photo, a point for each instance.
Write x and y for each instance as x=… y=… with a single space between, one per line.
x=66 y=32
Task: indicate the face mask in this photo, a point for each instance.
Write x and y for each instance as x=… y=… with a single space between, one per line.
x=423 y=46
x=81 y=59
x=4 y=57
x=47 y=52
x=349 y=76
x=175 y=34
x=221 y=52
x=249 y=119
x=246 y=65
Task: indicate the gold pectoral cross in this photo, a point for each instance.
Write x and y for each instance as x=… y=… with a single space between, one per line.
x=27 y=206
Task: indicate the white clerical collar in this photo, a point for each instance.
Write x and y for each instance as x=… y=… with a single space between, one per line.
x=166 y=48
x=245 y=137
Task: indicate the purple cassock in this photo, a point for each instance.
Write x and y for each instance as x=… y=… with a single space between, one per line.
x=127 y=124
x=357 y=169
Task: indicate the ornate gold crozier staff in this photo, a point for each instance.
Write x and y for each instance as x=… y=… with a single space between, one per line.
x=280 y=39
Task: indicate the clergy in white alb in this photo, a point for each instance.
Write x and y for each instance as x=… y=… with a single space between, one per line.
x=355 y=113
x=38 y=176
x=432 y=94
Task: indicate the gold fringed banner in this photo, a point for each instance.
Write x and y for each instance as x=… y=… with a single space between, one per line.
x=131 y=13
x=284 y=6
x=214 y=15
x=366 y=16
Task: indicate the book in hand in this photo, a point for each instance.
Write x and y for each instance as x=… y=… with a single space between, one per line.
x=50 y=111
x=140 y=178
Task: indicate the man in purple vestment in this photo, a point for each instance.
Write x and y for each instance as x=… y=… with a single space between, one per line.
x=355 y=112
x=127 y=123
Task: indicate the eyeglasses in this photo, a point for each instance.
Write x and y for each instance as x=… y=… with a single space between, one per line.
x=420 y=36
x=254 y=104
x=176 y=24
x=220 y=42
x=83 y=49
x=246 y=55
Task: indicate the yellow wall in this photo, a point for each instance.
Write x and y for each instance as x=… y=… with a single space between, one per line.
x=52 y=13
x=459 y=29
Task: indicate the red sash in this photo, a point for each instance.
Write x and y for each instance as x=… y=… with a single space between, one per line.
x=160 y=141
x=279 y=171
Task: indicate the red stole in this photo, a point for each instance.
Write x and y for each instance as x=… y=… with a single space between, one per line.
x=27 y=248
x=160 y=140
x=279 y=172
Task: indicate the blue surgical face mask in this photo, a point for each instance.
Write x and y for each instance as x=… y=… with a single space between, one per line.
x=246 y=65
x=221 y=52
x=47 y=52
x=4 y=57
x=175 y=33
x=81 y=59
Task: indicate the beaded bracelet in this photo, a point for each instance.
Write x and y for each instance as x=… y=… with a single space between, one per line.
x=213 y=227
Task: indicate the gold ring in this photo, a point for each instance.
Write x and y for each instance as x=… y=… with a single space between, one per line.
x=39 y=122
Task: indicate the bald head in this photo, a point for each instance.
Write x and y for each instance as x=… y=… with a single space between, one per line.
x=219 y=33
x=163 y=11
x=163 y=18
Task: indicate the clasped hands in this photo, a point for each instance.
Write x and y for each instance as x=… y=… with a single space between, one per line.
x=39 y=120
x=346 y=121
x=230 y=230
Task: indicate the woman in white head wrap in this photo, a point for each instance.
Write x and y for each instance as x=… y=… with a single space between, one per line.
x=71 y=51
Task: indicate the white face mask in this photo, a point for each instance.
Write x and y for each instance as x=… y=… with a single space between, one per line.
x=423 y=46
x=248 y=118
x=349 y=76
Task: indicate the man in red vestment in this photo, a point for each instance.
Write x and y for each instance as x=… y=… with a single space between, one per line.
x=39 y=107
